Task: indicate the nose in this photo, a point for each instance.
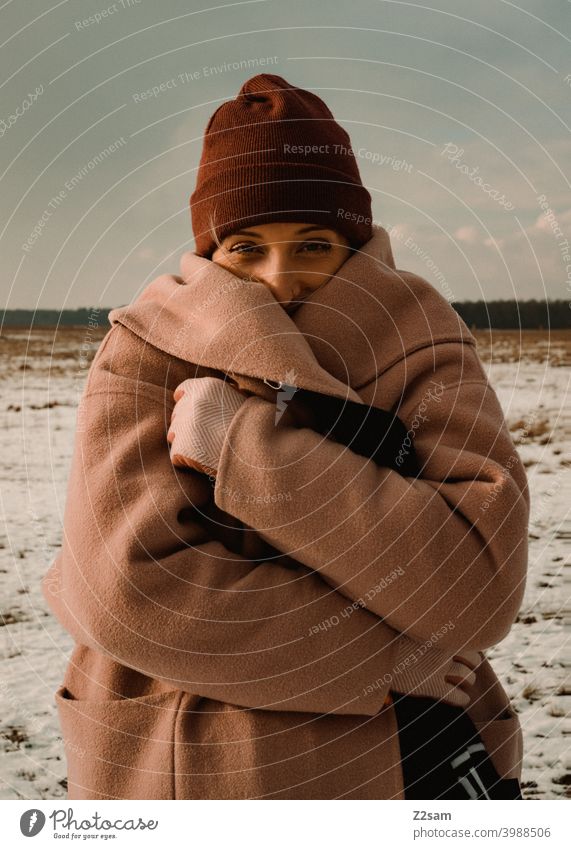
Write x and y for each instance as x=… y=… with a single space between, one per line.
x=279 y=274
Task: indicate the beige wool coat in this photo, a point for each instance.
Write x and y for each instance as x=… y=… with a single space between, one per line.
x=234 y=637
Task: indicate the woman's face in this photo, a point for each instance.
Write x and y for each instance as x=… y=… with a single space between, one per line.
x=291 y=260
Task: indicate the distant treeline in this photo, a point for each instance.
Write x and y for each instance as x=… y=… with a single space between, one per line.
x=94 y=317
x=478 y=315
x=513 y=315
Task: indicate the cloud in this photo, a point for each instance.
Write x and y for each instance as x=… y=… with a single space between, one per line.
x=146 y=253
x=544 y=223
x=467 y=234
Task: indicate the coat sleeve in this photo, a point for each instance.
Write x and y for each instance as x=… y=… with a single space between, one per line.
x=139 y=579
x=455 y=537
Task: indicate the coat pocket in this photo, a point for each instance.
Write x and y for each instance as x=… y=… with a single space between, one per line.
x=119 y=748
x=503 y=739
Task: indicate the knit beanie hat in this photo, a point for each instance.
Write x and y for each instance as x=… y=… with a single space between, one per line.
x=275 y=153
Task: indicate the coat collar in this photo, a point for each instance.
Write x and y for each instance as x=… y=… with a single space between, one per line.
x=364 y=319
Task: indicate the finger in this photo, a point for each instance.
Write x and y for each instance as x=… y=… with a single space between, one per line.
x=470 y=658
x=465 y=681
x=170 y=436
x=458 y=698
x=460 y=673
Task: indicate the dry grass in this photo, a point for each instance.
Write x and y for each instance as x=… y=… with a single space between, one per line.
x=68 y=350
x=511 y=346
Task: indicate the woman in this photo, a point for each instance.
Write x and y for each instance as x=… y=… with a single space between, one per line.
x=263 y=612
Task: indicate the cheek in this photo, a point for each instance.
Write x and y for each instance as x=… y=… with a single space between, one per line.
x=222 y=261
x=239 y=267
x=322 y=270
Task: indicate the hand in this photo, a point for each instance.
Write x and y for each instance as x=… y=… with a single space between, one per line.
x=469 y=659
x=422 y=670
x=204 y=408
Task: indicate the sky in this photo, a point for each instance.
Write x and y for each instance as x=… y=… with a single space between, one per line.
x=459 y=113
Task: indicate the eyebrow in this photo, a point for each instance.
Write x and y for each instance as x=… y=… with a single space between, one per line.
x=309 y=229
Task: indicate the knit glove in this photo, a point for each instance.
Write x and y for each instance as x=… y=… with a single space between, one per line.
x=421 y=670
x=204 y=408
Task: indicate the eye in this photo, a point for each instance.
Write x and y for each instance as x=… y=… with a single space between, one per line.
x=317 y=247
x=243 y=248
x=312 y=247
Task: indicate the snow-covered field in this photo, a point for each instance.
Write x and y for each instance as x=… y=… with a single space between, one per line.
x=41 y=376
